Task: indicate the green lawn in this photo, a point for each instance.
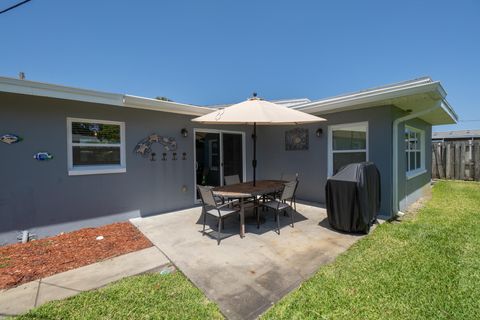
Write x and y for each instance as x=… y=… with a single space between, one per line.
x=149 y=296
x=426 y=267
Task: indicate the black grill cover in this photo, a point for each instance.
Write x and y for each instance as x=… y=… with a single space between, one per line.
x=353 y=197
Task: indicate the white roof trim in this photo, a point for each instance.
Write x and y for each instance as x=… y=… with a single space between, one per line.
x=41 y=89
x=449 y=110
x=369 y=96
x=165 y=106
x=35 y=88
x=334 y=104
x=353 y=100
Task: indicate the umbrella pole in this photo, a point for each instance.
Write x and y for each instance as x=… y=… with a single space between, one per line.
x=254 y=161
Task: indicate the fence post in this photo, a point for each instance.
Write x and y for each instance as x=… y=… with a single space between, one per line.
x=463 y=154
x=456 y=160
x=476 y=159
x=449 y=174
x=441 y=160
x=468 y=161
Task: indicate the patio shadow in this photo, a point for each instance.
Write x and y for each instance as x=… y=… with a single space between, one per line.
x=231 y=225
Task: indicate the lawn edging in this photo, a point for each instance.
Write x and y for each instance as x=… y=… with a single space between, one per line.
x=73 y=282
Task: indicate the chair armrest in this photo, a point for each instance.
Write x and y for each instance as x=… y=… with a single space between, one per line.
x=272 y=197
x=224 y=205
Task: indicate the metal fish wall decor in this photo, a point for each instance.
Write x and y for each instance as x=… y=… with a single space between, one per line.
x=144 y=147
x=10 y=138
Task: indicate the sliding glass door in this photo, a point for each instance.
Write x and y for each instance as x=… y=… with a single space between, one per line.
x=207 y=162
x=232 y=144
x=218 y=154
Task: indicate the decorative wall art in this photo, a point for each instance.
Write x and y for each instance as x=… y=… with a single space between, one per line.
x=10 y=138
x=296 y=139
x=42 y=156
x=144 y=147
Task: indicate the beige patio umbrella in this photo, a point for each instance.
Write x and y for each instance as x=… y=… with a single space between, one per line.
x=256 y=111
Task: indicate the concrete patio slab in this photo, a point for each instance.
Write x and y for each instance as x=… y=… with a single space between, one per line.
x=72 y=282
x=19 y=299
x=246 y=276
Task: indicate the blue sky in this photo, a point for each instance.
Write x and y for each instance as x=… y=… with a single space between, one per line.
x=208 y=52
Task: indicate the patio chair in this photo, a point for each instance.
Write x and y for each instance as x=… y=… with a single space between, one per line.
x=211 y=207
x=289 y=176
x=281 y=204
x=233 y=179
x=272 y=196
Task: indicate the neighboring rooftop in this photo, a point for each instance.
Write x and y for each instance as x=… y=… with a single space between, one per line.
x=284 y=102
x=458 y=134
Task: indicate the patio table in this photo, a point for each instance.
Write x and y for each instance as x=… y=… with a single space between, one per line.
x=245 y=190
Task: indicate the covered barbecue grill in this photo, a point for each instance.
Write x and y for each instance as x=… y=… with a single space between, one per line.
x=353 y=197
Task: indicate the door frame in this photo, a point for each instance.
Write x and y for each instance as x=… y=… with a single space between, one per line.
x=220 y=132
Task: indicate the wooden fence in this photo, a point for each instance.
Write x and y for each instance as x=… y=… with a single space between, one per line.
x=459 y=160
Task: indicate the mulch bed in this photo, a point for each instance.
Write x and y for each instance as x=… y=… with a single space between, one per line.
x=20 y=263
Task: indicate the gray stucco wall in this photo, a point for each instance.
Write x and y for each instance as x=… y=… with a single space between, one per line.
x=41 y=197
x=312 y=164
x=410 y=190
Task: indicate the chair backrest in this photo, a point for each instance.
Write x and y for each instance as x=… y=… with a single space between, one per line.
x=233 y=179
x=289 y=190
x=289 y=177
x=206 y=195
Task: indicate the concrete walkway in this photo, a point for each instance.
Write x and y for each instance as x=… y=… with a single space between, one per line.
x=246 y=276
x=62 y=285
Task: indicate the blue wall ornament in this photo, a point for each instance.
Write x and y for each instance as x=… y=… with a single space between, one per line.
x=42 y=156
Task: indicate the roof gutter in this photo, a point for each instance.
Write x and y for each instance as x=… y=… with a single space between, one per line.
x=375 y=97
x=396 y=122
x=369 y=96
x=165 y=106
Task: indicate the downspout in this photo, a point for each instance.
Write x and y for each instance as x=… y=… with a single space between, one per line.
x=396 y=122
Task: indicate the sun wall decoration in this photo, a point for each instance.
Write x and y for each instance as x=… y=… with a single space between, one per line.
x=296 y=139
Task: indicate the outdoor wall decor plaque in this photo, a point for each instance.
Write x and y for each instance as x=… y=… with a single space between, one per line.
x=144 y=147
x=43 y=156
x=10 y=138
x=296 y=139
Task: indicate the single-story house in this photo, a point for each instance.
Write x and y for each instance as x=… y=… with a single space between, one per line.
x=88 y=158
x=457 y=135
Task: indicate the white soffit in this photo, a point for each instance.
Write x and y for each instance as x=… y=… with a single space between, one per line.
x=413 y=95
x=409 y=95
x=34 y=88
x=41 y=89
x=165 y=106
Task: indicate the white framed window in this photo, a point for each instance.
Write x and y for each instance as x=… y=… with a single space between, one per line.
x=95 y=146
x=347 y=143
x=414 y=151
